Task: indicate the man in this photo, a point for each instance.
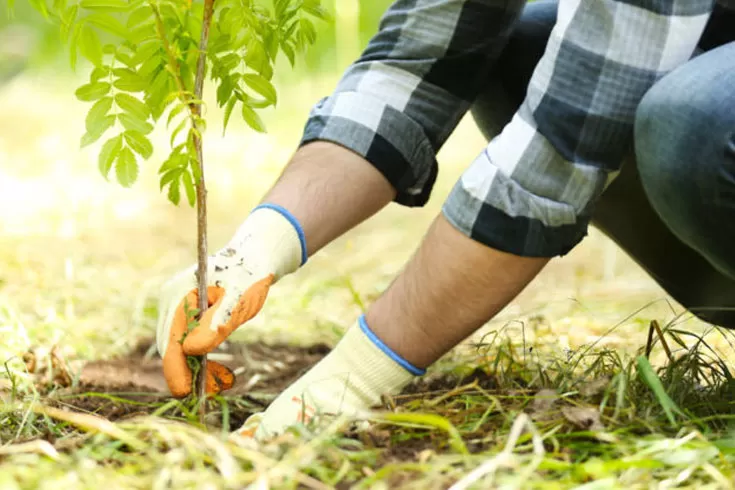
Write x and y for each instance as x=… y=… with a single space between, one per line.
x=565 y=92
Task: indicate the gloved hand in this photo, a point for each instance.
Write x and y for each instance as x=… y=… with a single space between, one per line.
x=348 y=381
x=267 y=246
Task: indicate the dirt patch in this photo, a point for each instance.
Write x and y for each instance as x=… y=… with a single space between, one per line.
x=134 y=384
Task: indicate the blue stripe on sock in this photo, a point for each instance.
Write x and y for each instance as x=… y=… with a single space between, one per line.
x=291 y=219
x=389 y=352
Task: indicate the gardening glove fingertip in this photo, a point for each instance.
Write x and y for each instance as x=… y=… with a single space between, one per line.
x=219 y=378
x=175 y=368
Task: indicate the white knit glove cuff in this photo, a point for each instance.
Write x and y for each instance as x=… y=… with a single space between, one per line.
x=269 y=241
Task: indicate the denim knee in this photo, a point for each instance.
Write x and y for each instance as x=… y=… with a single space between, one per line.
x=685 y=153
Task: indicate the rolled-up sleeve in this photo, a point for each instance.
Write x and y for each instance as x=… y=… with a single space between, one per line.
x=531 y=192
x=398 y=103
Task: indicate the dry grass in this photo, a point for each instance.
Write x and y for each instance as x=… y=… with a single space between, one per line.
x=80 y=261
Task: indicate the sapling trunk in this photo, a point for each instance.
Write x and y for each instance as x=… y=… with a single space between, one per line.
x=201 y=201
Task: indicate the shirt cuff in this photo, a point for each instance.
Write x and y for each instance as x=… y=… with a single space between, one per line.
x=524 y=236
x=388 y=139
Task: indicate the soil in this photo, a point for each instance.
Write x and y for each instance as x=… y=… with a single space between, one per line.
x=135 y=384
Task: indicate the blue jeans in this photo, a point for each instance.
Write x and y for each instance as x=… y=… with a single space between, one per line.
x=672 y=208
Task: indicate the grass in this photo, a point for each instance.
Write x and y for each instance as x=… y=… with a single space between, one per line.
x=81 y=260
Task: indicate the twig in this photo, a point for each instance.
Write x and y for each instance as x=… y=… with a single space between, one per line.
x=649 y=342
x=201 y=199
x=659 y=332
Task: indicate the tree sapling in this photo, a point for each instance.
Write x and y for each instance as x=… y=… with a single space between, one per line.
x=152 y=56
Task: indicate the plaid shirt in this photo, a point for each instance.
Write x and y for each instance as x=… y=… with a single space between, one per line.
x=532 y=190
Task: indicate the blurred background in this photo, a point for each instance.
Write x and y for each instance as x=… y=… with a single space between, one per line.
x=81 y=259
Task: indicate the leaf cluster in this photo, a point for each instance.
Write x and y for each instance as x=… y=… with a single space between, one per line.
x=143 y=58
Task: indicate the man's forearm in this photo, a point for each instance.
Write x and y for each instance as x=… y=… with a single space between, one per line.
x=329 y=190
x=449 y=288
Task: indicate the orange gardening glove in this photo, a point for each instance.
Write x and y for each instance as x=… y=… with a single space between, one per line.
x=205 y=337
x=267 y=246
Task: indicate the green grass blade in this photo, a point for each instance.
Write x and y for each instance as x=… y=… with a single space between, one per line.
x=650 y=377
x=431 y=420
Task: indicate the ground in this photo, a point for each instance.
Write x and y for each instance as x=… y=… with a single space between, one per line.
x=556 y=392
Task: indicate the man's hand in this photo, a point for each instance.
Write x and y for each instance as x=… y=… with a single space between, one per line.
x=267 y=246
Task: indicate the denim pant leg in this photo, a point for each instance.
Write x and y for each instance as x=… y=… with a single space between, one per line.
x=685 y=149
x=624 y=213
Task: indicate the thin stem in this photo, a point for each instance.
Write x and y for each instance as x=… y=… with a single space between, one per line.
x=201 y=194
x=201 y=189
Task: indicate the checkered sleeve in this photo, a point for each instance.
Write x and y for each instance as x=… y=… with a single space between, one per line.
x=532 y=190
x=397 y=104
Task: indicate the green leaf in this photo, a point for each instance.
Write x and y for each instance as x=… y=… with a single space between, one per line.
x=98 y=73
x=132 y=106
x=96 y=133
x=189 y=187
x=262 y=86
x=73 y=44
x=252 y=119
x=67 y=21
x=178 y=129
x=307 y=30
x=156 y=96
x=92 y=91
x=97 y=113
x=107 y=23
x=90 y=46
x=126 y=168
x=256 y=57
x=139 y=143
x=196 y=170
x=148 y=53
x=317 y=11
x=224 y=91
x=143 y=33
x=289 y=52
x=174 y=193
x=290 y=31
x=171 y=175
x=105 y=5
x=131 y=123
x=108 y=154
x=150 y=68
x=128 y=80
x=175 y=112
x=40 y=6
x=125 y=58
x=229 y=61
x=140 y=16
x=175 y=160
x=271 y=43
x=228 y=112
